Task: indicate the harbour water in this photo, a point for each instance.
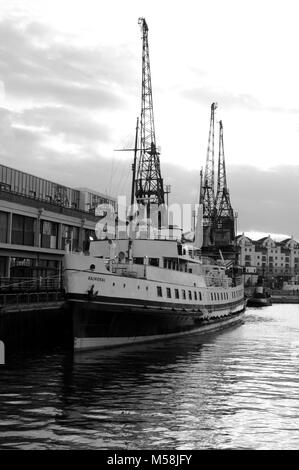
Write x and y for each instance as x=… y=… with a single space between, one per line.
x=235 y=389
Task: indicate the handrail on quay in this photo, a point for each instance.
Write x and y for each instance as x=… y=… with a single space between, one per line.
x=25 y=284
x=30 y=298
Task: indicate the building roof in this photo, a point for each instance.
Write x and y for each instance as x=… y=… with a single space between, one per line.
x=96 y=193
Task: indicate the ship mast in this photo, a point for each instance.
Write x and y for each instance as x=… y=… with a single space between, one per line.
x=148 y=183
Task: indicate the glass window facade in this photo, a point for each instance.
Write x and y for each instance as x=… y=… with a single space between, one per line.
x=48 y=234
x=70 y=236
x=3 y=226
x=23 y=230
x=3 y=261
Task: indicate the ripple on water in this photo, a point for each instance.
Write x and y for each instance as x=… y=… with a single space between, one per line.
x=238 y=388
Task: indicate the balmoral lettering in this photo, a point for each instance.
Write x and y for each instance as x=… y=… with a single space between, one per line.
x=96 y=278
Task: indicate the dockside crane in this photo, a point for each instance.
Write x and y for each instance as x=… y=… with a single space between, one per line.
x=207 y=190
x=224 y=221
x=222 y=201
x=149 y=187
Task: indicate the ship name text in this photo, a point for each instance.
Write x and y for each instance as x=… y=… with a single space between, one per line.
x=96 y=278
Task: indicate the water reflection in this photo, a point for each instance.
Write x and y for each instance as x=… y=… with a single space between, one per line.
x=234 y=389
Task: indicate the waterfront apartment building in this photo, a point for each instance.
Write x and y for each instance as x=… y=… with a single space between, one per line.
x=39 y=220
x=269 y=258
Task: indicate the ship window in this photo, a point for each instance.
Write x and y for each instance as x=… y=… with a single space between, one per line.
x=221 y=296
x=168 y=292
x=124 y=285
x=211 y=296
x=176 y=293
x=195 y=295
x=217 y=295
x=184 y=293
x=153 y=261
x=199 y=295
x=113 y=283
x=190 y=294
x=159 y=291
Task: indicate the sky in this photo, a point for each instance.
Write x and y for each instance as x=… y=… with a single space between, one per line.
x=70 y=93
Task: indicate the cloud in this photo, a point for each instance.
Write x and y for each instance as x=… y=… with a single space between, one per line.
x=58 y=94
x=265 y=200
x=55 y=123
x=34 y=66
x=68 y=121
x=205 y=95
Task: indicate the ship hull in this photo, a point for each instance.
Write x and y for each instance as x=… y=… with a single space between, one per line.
x=101 y=324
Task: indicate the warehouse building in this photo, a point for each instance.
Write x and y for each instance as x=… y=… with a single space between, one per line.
x=39 y=220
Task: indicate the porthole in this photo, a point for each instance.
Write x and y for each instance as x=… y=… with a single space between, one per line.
x=92 y=267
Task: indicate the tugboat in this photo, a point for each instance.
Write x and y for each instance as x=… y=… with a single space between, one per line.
x=143 y=283
x=260 y=298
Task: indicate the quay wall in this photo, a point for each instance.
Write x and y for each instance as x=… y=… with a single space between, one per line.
x=35 y=326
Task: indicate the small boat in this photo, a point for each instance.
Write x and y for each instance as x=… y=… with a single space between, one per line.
x=260 y=298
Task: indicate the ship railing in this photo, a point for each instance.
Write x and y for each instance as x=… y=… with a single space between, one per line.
x=212 y=282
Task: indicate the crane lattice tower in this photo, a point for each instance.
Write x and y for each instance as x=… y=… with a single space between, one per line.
x=224 y=214
x=149 y=183
x=207 y=190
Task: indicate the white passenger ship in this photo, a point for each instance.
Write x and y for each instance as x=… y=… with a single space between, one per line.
x=164 y=290
x=135 y=289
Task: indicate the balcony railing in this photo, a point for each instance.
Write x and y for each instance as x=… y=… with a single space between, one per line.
x=40 y=203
